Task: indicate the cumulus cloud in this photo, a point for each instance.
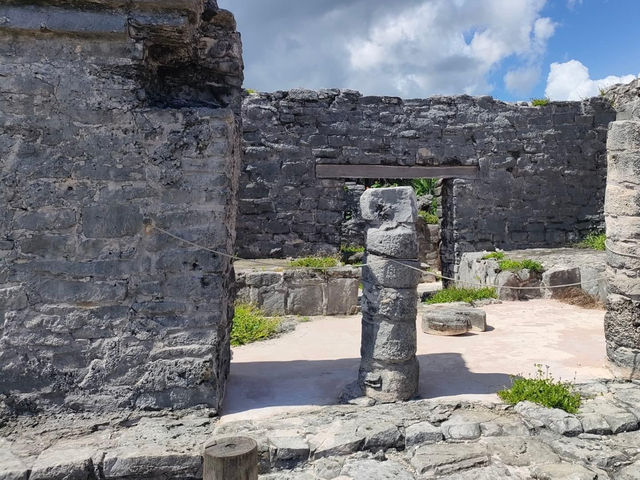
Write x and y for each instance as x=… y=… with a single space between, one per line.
x=571 y=81
x=411 y=48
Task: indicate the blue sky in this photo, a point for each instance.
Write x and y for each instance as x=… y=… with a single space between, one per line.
x=511 y=49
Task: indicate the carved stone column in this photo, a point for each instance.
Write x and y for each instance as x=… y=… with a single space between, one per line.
x=389 y=368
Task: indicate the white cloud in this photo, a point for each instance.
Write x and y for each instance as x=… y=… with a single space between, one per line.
x=571 y=81
x=573 y=3
x=522 y=80
x=411 y=48
x=442 y=46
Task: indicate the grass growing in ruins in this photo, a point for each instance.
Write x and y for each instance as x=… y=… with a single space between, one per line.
x=539 y=102
x=494 y=255
x=351 y=249
x=315 y=262
x=507 y=264
x=594 y=240
x=430 y=218
x=517 y=265
x=460 y=294
x=251 y=325
x=543 y=390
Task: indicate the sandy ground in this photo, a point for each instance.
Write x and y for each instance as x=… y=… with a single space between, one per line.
x=311 y=365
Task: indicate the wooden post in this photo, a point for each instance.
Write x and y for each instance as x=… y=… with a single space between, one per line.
x=231 y=458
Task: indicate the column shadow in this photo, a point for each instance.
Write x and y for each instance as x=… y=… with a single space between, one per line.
x=255 y=385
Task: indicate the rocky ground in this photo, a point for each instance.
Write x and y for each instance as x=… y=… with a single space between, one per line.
x=412 y=440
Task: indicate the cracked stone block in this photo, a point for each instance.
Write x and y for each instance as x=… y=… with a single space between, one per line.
x=565 y=471
x=554 y=419
x=11 y=467
x=445 y=459
x=380 y=435
x=65 y=463
x=422 y=432
x=557 y=276
x=286 y=452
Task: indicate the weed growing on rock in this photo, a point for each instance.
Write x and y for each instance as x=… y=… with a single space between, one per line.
x=429 y=217
x=251 y=325
x=543 y=390
x=510 y=265
x=494 y=255
x=314 y=262
x=517 y=265
x=459 y=294
x=594 y=240
x=351 y=249
x=539 y=102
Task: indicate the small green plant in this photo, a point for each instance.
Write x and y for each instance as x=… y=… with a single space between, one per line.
x=384 y=184
x=594 y=240
x=430 y=218
x=539 y=102
x=424 y=186
x=251 y=91
x=494 y=255
x=460 y=294
x=351 y=249
x=315 y=262
x=251 y=325
x=543 y=390
x=516 y=265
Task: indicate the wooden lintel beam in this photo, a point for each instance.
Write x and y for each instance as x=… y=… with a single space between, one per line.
x=394 y=171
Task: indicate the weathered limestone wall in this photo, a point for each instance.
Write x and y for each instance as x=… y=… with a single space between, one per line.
x=541 y=182
x=102 y=137
x=622 y=212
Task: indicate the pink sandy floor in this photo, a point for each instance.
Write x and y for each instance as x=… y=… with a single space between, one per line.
x=311 y=365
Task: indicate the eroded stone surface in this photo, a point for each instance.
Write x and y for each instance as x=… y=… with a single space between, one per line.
x=417 y=439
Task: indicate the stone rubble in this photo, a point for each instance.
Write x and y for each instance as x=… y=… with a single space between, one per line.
x=412 y=440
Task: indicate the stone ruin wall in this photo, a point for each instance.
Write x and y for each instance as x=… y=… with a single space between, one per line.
x=541 y=180
x=622 y=213
x=115 y=116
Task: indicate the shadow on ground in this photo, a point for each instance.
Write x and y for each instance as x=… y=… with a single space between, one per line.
x=255 y=385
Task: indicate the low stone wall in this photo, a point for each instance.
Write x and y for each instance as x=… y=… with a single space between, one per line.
x=301 y=292
x=562 y=266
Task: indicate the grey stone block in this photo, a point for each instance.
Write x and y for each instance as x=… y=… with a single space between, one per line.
x=389 y=206
x=422 y=432
x=400 y=242
x=111 y=221
x=391 y=273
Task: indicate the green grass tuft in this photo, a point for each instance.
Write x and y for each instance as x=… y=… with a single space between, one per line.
x=494 y=255
x=539 y=102
x=459 y=294
x=251 y=325
x=424 y=186
x=594 y=240
x=543 y=390
x=351 y=249
x=315 y=262
x=516 y=265
x=430 y=218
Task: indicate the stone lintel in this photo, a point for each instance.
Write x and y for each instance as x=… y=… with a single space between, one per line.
x=393 y=171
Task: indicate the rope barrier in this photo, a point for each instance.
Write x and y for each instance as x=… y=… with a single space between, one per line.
x=399 y=262
x=606 y=245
